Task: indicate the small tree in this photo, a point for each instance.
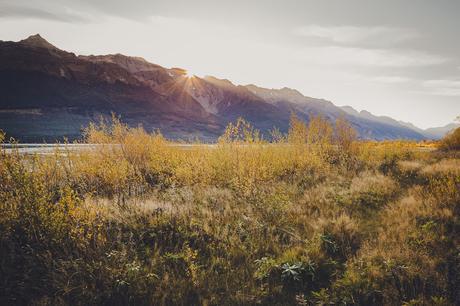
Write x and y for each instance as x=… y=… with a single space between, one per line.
x=451 y=141
x=277 y=136
x=320 y=132
x=297 y=130
x=345 y=134
x=241 y=131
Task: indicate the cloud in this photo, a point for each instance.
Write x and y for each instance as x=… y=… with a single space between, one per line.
x=364 y=47
x=392 y=79
x=18 y=11
x=361 y=57
x=354 y=35
x=450 y=88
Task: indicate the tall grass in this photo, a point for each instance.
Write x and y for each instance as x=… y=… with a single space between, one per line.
x=312 y=217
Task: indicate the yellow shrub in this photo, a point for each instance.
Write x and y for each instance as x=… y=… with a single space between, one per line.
x=451 y=141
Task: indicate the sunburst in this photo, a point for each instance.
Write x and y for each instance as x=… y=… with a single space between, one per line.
x=189 y=74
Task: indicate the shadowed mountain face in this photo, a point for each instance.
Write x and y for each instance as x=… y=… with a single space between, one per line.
x=47 y=94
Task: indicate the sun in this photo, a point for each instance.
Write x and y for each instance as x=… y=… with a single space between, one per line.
x=189 y=74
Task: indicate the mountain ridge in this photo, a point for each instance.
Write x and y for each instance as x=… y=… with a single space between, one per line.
x=430 y=133
x=70 y=91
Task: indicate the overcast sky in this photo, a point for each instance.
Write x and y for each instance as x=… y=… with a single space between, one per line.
x=396 y=58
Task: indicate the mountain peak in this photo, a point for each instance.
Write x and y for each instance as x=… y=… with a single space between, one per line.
x=222 y=82
x=37 y=41
x=350 y=110
x=366 y=113
x=291 y=92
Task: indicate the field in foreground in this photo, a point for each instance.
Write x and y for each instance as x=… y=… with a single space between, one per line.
x=314 y=218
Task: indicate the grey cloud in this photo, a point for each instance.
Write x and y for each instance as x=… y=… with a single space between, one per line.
x=18 y=11
x=442 y=87
x=352 y=56
x=375 y=36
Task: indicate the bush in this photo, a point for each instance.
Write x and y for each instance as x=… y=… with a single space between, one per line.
x=318 y=219
x=451 y=141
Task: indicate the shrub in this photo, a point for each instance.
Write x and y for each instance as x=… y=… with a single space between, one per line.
x=319 y=219
x=451 y=141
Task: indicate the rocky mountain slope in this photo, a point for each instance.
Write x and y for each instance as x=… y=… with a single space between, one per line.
x=48 y=93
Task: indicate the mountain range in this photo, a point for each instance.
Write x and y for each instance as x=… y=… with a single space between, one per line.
x=48 y=93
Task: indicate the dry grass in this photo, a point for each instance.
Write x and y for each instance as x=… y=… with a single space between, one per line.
x=315 y=218
x=443 y=167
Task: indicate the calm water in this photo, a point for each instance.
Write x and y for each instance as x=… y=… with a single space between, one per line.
x=40 y=148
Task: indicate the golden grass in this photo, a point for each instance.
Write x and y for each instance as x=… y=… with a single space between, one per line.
x=314 y=218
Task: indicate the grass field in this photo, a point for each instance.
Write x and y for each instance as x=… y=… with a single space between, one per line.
x=314 y=217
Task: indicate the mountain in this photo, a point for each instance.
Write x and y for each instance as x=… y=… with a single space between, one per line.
x=36 y=41
x=439 y=132
x=430 y=133
x=209 y=95
x=48 y=93
x=290 y=100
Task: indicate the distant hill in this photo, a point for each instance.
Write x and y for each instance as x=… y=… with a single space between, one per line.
x=48 y=93
x=439 y=132
x=430 y=133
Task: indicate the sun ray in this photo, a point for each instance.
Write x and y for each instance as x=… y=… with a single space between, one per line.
x=189 y=74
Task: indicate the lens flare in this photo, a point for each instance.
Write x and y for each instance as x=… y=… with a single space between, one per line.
x=190 y=74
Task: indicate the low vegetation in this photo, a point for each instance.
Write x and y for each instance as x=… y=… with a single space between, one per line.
x=311 y=218
x=451 y=141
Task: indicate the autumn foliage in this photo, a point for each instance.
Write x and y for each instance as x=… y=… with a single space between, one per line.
x=314 y=217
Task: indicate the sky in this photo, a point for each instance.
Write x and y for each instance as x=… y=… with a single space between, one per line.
x=393 y=58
